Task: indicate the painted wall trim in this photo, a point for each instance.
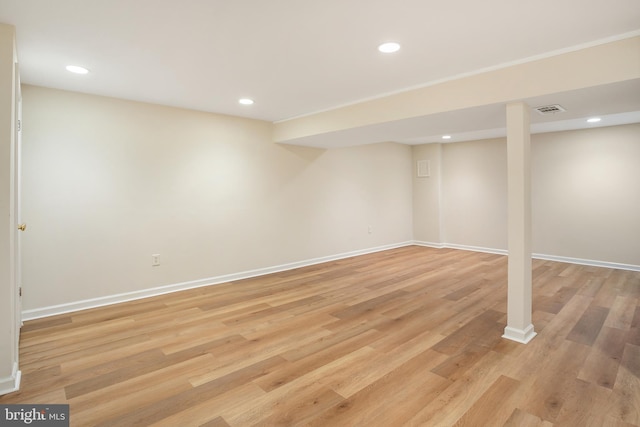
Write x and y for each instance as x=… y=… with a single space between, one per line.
x=569 y=260
x=460 y=247
x=477 y=249
x=12 y=383
x=591 y=262
x=429 y=244
x=161 y=290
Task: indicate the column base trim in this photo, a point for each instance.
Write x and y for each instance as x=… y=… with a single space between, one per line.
x=12 y=383
x=522 y=336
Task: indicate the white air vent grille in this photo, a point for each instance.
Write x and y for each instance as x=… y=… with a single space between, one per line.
x=550 y=109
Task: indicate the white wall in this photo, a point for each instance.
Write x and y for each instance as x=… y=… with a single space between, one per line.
x=427 y=195
x=109 y=182
x=585 y=194
x=474 y=193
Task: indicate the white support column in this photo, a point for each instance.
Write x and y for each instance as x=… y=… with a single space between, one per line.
x=519 y=327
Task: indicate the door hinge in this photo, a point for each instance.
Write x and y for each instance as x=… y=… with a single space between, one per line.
x=19 y=125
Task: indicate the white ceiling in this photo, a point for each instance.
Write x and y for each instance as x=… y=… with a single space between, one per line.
x=297 y=57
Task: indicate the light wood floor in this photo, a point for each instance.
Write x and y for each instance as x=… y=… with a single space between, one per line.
x=410 y=336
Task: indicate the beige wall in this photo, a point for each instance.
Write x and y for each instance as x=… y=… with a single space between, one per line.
x=474 y=193
x=109 y=182
x=427 y=194
x=585 y=195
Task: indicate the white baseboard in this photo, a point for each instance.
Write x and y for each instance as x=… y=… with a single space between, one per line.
x=476 y=249
x=569 y=260
x=12 y=383
x=429 y=244
x=590 y=262
x=161 y=290
x=460 y=247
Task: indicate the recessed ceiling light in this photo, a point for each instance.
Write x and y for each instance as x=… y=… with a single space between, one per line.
x=389 y=47
x=77 y=69
x=594 y=120
x=446 y=136
x=245 y=101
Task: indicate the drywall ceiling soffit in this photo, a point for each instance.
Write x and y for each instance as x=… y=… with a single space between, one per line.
x=616 y=103
x=291 y=57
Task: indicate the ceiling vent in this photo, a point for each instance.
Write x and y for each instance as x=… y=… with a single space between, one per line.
x=550 y=109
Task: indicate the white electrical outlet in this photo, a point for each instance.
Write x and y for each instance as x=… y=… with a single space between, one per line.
x=155 y=260
x=370 y=229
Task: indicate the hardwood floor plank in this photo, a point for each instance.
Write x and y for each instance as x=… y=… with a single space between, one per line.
x=626 y=396
x=251 y=412
x=409 y=336
x=251 y=352
x=588 y=327
x=601 y=366
x=612 y=422
x=474 y=329
x=492 y=408
x=208 y=411
x=532 y=360
x=377 y=304
x=551 y=285
x=181 y=401
x=456 y=399
x=342 y=340
x=622 y=311
x=269 y=311
x=520 y=418
x=467 y=310
x=405 y=328
x=550 y=388
x=31 y=327
x=555 y=303
x=200 y=338
x=380 y=364
x=612 y=287
x=413 y=391
x=115 y=372
x=630 y=286
x=584 y=394
x=300 y=408
x=455 y=366
x=592 y=286
x=463 y=292
x=82 y=337
x=89 y=409
x=633 y=336
x=140 y=390
x=316 y=360
x=85 y=357
x=216 y=422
